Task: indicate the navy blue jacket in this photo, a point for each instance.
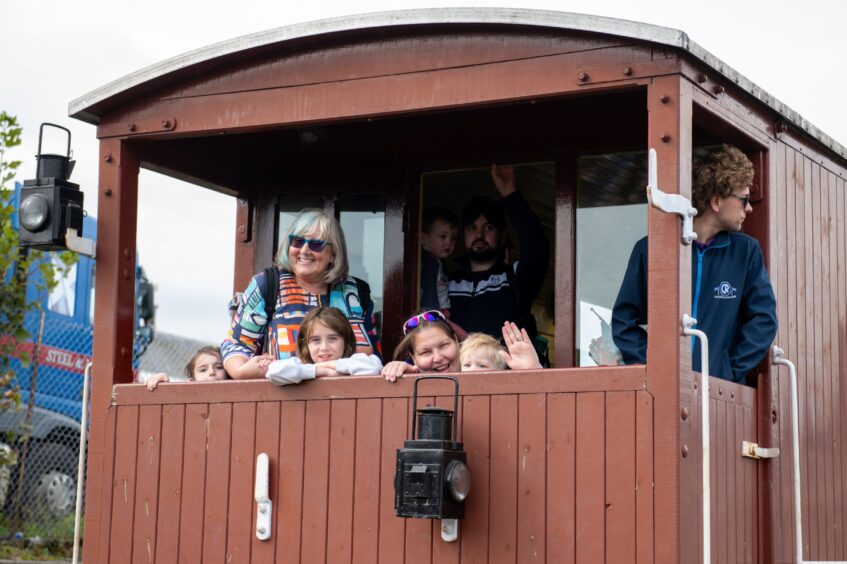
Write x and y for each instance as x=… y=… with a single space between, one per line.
x=732 y=300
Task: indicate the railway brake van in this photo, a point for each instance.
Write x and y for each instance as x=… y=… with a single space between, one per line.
x=376 y=117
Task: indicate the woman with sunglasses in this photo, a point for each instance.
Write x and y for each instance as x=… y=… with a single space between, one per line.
x=313 y=272
x=430 y=342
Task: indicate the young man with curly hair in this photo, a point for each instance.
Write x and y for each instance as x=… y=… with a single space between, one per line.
x=731 y=295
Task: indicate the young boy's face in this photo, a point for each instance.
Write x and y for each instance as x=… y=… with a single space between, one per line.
x=441 y=239
x=477 y=360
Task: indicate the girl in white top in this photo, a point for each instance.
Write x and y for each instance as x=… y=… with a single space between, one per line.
x=325 y=347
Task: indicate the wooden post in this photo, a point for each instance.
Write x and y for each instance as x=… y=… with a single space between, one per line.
x=669 y=293
x=114 y=322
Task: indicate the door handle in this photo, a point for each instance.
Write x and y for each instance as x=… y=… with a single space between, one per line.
x=264 y=505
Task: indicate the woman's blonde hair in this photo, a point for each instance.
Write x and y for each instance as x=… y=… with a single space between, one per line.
x=331 y=318
x=488 y=345
x=213 y=351
x=312 y=221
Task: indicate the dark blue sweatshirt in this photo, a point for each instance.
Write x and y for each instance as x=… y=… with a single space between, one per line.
x=731 y=299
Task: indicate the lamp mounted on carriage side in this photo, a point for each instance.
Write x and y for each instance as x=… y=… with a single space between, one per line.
x=432 y=479
x=51 y=208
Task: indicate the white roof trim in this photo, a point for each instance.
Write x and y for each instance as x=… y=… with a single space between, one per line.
x=513 y=16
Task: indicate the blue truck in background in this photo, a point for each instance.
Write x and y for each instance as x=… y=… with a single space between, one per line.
x=61 y=331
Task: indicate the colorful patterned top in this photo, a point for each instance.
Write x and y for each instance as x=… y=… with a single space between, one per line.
x=249 y=328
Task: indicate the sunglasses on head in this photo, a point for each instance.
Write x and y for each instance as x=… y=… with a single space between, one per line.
x=415 y=321
x=315 y=245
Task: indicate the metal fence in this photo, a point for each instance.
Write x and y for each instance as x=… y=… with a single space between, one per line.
x=39 y=490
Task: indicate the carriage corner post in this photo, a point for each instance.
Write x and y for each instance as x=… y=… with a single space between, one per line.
x=432 y=479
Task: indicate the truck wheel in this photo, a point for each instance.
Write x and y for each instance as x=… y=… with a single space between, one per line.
x=50 y=486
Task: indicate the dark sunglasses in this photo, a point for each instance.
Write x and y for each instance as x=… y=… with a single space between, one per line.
x=315 y=245
x=415 y=321
x=745 y=200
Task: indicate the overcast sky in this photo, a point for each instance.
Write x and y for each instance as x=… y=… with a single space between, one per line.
x=55 y=51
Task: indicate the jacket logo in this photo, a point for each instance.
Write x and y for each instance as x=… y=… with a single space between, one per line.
x=725 y=291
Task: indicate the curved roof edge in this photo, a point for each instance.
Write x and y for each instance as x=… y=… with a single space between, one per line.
x=80 y=108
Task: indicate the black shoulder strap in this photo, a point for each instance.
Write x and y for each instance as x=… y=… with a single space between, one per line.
x=271 y=291
x=364 y=291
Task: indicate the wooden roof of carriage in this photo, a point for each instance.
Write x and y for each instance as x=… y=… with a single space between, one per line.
x=93 y=105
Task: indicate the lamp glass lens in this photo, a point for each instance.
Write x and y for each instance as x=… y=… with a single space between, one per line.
x=35 y=210
x=459 y=480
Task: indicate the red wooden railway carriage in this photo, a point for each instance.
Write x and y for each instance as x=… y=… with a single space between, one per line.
x=376 y=116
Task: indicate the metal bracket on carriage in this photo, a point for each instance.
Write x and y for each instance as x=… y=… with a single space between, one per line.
x=150 y=125
x=81 y=245
x=264 y=506
x=670 y=203
x=753 y=450
x=598 y=74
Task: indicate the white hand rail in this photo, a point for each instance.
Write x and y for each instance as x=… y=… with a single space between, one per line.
x=688 y=323
x=80 y=473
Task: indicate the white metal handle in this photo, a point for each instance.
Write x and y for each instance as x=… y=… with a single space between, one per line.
x=263 y=500
x=670 y=203
x=688 y=324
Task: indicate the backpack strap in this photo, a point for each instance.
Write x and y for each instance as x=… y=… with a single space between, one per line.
x=270 y=293
x=363 y=289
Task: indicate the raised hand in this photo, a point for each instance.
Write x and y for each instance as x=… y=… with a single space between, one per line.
x=521 y=353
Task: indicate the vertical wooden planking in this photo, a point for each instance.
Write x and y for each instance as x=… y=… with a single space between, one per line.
x=714 y=469
x=170 y=483
x=147 y=484
x=503 y=508
x=730 y=437
x=561 y=478
x=590 y=477
x=292 y=437
x=447 y=552
x=217 y=482
x=315 y=476
x=241 y=490
x=644 y=478
x=825 y=348
x=476 y=428
x=841 y=206
x=752 y=493
x=620 y=477
x=267 y=441
x=123 y=493
x=817 y=314
x=720 y=482
x=193 y=483
x=419 y=532
x=366 y=481
x=392 y=529
x=104 y=515
x=532 y=470
x=342 y=463
x=835 y=354
x=809 y=313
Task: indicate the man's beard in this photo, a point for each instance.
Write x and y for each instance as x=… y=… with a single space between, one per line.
x=483 y=255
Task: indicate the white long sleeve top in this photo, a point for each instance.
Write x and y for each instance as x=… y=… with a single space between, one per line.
x=293 y=371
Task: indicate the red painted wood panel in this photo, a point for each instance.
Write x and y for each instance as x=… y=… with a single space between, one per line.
x=392 y=530
x=193 y=483
x=367 y=481
x=267 y=441
x=644 y=460
x=147 y=484
x=292 y=422
x=590 y=477
x=476 y=419
x=620 y=477
x=106 y=482
x=170 y=483
x=342 y=464
x=561 y=477
x=833 y=356
x=503 y=473
x=123 y=493
x=241 y=478
x=532 y=474
x=447 y=552
x=315 y=481
x=218 y=446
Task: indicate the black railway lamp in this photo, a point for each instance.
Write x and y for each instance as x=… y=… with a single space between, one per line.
x=432 y=478
x=51 y=208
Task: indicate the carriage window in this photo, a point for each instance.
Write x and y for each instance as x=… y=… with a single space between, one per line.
x=611 y=217
x=536 y=183
x=362 y=217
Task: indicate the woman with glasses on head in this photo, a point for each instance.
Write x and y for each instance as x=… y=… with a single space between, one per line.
x=313 y=271
x=430 y=342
